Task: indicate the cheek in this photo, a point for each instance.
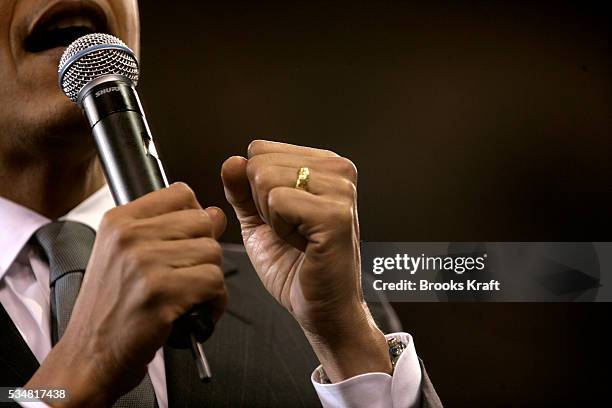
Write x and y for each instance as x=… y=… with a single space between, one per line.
x=7 y=10
x=128 y=19
x=7 y=66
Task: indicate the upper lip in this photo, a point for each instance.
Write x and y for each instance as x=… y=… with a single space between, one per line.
x=82 y=13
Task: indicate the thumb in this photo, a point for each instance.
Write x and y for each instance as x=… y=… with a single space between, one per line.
x=238 y=191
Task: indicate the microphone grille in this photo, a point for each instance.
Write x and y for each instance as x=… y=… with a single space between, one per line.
x=92 y=56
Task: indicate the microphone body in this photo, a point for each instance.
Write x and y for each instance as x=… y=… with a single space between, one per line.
x=125 y=145
x=99 y=73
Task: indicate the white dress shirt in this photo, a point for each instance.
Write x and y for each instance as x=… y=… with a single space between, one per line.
x=24 y=294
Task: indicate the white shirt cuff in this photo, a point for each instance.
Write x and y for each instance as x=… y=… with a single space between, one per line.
x=377 y=390
x=34 y=404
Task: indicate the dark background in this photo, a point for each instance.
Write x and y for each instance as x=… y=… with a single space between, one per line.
x=479 y=120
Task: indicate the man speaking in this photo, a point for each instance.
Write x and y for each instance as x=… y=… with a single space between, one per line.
x=90 y=292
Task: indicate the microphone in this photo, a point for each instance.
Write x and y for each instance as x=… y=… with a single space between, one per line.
x=99 y=73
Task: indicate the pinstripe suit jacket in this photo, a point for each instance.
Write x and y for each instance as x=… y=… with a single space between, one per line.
x=258 y=354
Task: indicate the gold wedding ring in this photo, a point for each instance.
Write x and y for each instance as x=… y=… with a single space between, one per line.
x=303 y=177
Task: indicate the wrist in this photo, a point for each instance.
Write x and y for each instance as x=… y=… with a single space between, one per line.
x=66 y=368
x=352 y=346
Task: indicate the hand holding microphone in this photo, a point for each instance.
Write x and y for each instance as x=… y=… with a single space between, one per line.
x=153 y=260
x=155 y=273
x=99 y=73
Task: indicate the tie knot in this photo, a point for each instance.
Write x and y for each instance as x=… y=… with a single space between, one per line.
x=67 y=245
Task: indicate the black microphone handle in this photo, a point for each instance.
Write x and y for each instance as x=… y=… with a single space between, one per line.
x=132 y=169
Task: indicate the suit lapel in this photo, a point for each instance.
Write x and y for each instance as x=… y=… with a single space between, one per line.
x=15 y=354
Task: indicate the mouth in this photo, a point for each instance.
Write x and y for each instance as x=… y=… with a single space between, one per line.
x=64 y=22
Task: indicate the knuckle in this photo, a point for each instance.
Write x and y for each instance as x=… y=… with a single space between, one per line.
x=184 y=192
x=346 y=168
x=138 y=258
x=182 y=188
x=262 y=179
x=210 y=284
x=217 y=281
x=169 y=313
x=215 y=251
x=254 y=146
x=343 y=214
x=110 y=219
x=201 y=218
x=252 y=167
x=329 y=153
x=123 y=235
x=349 y=188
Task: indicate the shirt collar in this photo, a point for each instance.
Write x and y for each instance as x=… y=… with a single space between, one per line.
x=91 y=211
x=18 y=223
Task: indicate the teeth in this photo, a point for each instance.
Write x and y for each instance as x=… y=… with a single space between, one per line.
x=74 y=21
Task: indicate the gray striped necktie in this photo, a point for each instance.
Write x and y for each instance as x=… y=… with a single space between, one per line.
x=68 y=245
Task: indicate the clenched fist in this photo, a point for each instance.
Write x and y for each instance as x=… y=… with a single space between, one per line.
x=304 y=245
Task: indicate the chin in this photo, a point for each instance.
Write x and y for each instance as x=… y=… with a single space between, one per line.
x=57 y=126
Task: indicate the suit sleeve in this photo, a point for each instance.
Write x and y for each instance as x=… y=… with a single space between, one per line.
x=429 y=396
